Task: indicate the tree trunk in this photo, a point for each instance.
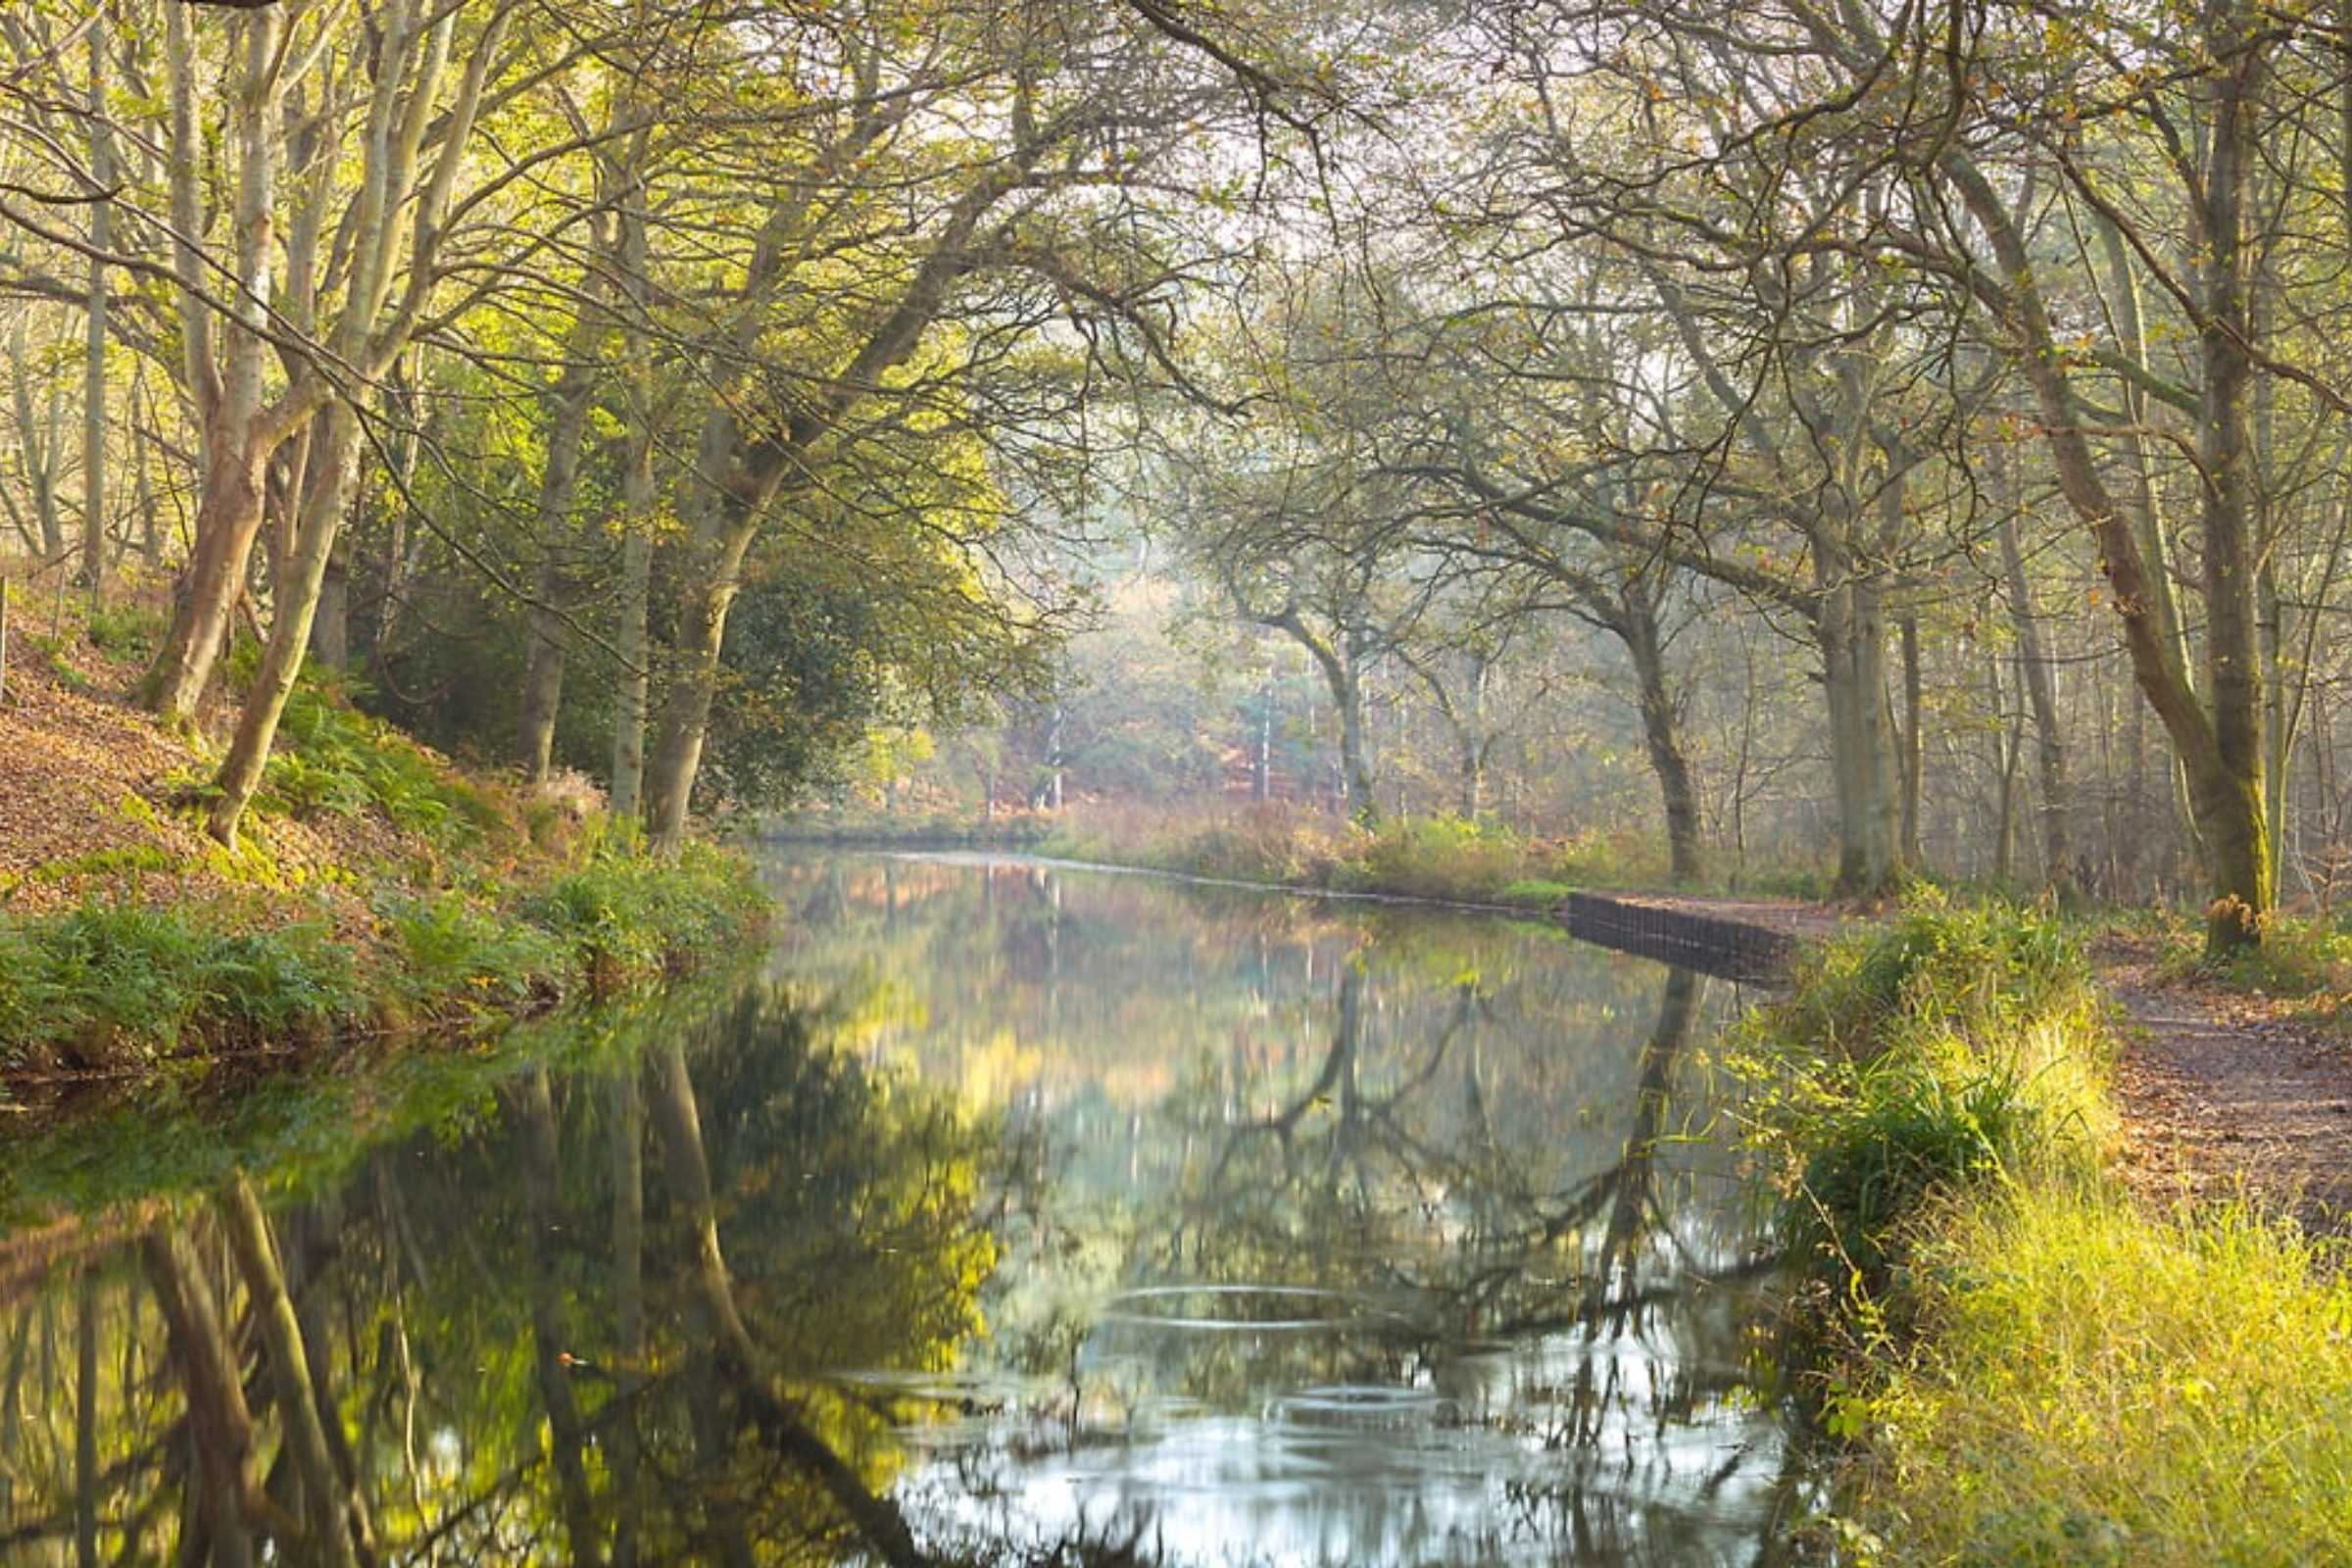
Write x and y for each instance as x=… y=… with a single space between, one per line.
x=229 y=519
x=569 y=403
x=239 y=441
x=93 y=382
x=1261 y=773
x=1473 y=738
x=1356 y=765
x=330 y=626
x=637 y=495
x=2218 y=742
x=2049 y=751
x=37 y=438
x=2231 y=781
x=1852 y=631
x=635 y=678
x=1661 y=738
x=1914 y=748
x=248 y=756
x=685 y=716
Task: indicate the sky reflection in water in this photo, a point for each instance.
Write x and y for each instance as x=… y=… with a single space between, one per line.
x=1009 y=1215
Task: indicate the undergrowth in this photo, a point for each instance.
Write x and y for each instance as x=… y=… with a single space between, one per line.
x=2102 y=1387
x=107 y=984
x=332 y=759
x=2305 y=960
x=112 y=986
x=1954 y=1047
x=2013 y=1360
x=1440 y=856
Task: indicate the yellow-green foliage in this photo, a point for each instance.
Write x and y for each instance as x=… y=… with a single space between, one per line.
x=1953 y=1047
x=2097 y=1386
x=1438 y=857
x=2027 y=1367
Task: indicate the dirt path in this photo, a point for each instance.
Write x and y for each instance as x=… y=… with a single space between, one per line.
x=2219 y=1092
x=2214 y=1095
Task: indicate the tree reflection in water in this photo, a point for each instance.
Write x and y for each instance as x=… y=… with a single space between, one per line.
x=1010 y=1218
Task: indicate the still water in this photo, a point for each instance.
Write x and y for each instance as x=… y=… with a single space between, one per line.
x=998 y=1213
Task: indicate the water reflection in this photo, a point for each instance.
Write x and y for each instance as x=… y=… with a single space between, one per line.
x=1007 y=1216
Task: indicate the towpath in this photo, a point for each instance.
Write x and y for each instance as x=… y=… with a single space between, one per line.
x=2222 y=1093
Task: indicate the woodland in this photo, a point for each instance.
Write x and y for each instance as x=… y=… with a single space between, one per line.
x=456 y=454
x=1910 y=434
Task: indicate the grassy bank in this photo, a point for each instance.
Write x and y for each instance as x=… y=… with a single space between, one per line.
x=379 y=888
x=2014 y=1360
x=115 y=985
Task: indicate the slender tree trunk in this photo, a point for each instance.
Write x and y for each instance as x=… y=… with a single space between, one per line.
x=1914 y=752
x=37 y=437
x=248 y=756
x=1054 y=758
x=569 y=403
x=1473 y=739
x=1354 y=760
x=1662 y=739
x=330 y=626
x=635 y=682
x=637 y=498
x=93 y=383
x=2042 y=693
x=151 y=534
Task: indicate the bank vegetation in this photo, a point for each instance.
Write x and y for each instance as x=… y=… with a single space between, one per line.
x=2013 y=1359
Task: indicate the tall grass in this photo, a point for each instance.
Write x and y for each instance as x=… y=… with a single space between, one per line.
x=1953 y=1047
x=2102 y=1387
x=2016 y=1363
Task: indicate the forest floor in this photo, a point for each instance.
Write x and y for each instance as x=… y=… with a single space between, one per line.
x=378 y=890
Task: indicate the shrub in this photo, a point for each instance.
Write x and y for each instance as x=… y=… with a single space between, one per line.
x=1438 y=857
x=123 y=631
x=2308 y=958
x=451 y=947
